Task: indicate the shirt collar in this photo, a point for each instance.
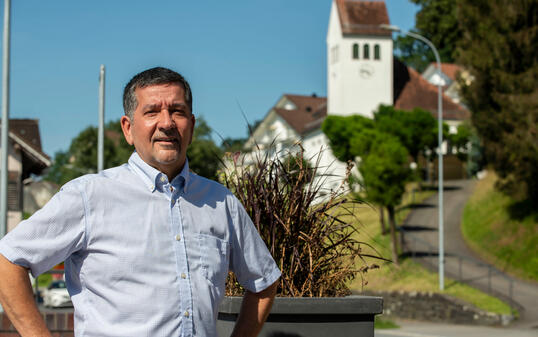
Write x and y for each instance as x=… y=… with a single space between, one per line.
x=152 y=177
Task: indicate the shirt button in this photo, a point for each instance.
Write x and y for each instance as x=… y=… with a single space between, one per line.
x=163 y=179
x=151 y=188
x=186 y=314
x=183 y=275
x=178 y=237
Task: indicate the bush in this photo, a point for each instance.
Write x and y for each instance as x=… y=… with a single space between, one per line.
x=311 y=236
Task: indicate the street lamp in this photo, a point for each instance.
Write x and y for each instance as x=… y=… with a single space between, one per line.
x=5 y=119
x=396 y=29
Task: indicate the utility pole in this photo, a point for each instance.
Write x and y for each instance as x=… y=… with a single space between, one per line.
x=101 y=132
x=5 y=119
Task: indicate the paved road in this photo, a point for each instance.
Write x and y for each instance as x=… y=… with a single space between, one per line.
x=421 y=329
x=421 y=241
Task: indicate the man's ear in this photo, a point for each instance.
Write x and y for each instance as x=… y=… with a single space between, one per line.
x=193 y=122
x=126 y=127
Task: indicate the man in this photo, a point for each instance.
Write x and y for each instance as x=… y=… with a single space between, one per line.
x=147 y=245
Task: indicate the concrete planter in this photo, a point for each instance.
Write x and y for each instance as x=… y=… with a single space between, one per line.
x=310 y=317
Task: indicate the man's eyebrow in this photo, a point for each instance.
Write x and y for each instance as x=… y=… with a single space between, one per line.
x=151 y=106
x=178 y=105
x=154 y=106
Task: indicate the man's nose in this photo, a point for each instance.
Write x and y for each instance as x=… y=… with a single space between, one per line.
x=165 y=120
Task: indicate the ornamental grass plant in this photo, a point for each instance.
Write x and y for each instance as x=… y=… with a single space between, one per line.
x=310 y=232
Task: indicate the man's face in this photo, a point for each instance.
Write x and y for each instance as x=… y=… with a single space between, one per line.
x=161 y=128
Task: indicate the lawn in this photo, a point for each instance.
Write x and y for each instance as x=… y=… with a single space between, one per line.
x=411 y=276
x=502 y=231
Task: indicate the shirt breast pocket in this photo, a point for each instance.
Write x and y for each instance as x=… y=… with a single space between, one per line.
x=214 y=259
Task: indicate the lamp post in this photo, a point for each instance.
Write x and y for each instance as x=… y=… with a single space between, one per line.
x=101 y=128
x=440 y=150
x=5 y=119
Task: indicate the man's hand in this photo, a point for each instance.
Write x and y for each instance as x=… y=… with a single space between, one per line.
x=18 y=301
x=254 y=311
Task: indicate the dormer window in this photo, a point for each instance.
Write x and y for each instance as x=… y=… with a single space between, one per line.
x=289 y=106
x=366 y=52
x=377 y=52
x=355 y=51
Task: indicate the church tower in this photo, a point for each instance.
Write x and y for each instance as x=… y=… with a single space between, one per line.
x=359 y=58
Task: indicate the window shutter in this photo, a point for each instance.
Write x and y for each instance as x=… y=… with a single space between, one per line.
x=14 y=195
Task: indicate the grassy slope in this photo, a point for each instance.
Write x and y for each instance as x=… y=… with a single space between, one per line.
x=510 y=244
x=411 y=276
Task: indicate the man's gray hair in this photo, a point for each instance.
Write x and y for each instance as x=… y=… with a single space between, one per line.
x=153 y=76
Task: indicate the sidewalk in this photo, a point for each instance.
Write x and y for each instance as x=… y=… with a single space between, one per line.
x=422 y=329
x=421 y=242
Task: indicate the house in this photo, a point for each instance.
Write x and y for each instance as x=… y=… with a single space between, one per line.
x=361 y=74
x=25 y=158
x=448 y=78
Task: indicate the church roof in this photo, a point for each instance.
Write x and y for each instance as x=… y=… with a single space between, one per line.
x=309 y=112
x=363 y=17
x=411 y=90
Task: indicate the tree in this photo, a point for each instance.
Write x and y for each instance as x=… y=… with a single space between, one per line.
x=384 y=172
x=232 y=144
x=498 y=47
x=416 y=129
x=204 y=155
x=437 y=20
x=383 y=161
x=81 y=157
x=341 y=131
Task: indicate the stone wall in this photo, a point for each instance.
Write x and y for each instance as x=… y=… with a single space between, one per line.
x=59 y=323
x=434 y=307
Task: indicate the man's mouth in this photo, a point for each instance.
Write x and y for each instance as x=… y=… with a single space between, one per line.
x=165 y=140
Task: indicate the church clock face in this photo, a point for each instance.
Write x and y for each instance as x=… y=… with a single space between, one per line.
x=366 y=71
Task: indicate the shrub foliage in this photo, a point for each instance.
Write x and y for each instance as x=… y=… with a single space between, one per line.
x=311 y=237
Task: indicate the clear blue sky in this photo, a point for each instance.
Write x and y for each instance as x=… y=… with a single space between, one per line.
x=246 y=52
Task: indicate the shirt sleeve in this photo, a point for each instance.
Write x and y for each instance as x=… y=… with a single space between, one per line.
x=51 y=235
x=251 y=261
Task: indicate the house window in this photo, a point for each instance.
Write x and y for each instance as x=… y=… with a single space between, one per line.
x=366 y=52
x=355 y=51
x=377 y=52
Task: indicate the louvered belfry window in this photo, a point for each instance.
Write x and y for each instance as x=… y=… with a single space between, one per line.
x=377 y=52
x=355 y=51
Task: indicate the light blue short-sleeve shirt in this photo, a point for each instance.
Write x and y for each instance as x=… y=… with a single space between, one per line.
x=144 y=256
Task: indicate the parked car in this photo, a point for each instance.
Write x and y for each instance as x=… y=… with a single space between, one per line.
x=56 y=295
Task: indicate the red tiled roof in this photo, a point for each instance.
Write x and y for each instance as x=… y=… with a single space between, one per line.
x=309 y=113
x=415 y=92
x=363 y=17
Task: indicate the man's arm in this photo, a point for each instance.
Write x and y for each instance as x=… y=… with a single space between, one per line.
x=254 y=311
x=17 y=299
